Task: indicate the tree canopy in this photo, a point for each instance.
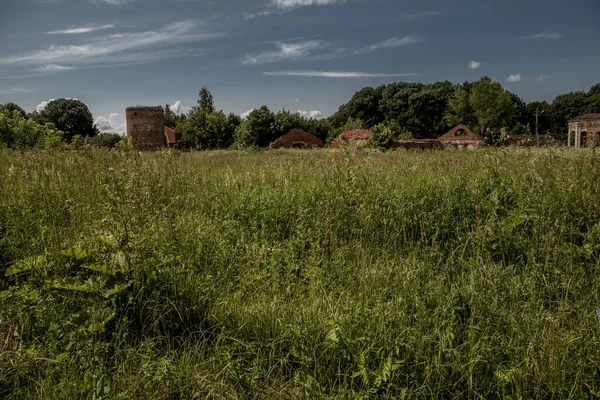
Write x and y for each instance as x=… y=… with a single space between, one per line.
x=73 y=117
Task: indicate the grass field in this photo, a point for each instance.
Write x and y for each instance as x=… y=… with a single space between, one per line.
x=296 y=274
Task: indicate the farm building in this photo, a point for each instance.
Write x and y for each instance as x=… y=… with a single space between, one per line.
x=351 y=138
x=531 y=141
x=171 y=137
x=145 y=128
x=418 y=144
x=459 y=137
x=584 y=131
x=297 y=139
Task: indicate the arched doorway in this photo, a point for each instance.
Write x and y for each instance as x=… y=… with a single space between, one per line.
x=299 y=145
x=583 y=139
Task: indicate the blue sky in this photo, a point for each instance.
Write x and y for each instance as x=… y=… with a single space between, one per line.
x=302 y=55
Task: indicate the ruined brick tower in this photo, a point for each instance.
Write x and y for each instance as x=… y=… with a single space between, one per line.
x=145 y=128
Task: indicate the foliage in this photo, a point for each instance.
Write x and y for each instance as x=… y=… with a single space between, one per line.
x=382 y=137
x=257 y=130
x=206 y=101
x=485 y=106
x=17 y=131
x=350 y=125
x=107 y=140
x=70 y=116
x=299 y=274
x=10 y=107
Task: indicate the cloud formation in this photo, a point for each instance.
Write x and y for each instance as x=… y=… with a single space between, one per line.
x=111 y=124
x=474 y=64
x=321 y=50
x=311 y=114
x=176 y=107
x=546 y=36
x=84 y=29
x=514 y=78
x=117 y=48
x=541 y=78
x=285 y=4
x=245 y=114
x=286 y=52
x=54 y=68
x=330 y=74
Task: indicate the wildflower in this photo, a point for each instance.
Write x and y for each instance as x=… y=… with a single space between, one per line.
x=598 y=312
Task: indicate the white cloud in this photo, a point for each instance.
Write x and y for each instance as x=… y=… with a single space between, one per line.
x=54 y=68
x=514 y=78
x=176 y=107
x=329 y=74
x=419 y=15
x=541 y=78
x=286 y=52
x=84 y=29
x=43 y=104
x=110 y=2
x=389 y=43
x=546 y=36
x=16 y=90
x=115 y=49
x=245 y=114
x=321 y=50
x=249 y=16
x=311 y=114
x=297 y=100
x=474 y=64
x=299 y=3
x=111 y=124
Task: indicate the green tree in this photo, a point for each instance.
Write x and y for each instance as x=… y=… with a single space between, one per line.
x=73 y=117
x=14 y=107
x=18 y=132
x=382 y=137
x=171 y=118
x=486 y=107
x=257 y=130
x=206 y=101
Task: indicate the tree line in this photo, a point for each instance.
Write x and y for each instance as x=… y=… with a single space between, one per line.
x=392 y=111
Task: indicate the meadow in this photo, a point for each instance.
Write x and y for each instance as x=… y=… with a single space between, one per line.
x=300 y=274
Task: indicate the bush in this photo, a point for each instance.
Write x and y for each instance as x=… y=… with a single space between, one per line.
x=382 y=137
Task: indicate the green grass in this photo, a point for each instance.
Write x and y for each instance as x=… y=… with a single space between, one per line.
x=297 y=274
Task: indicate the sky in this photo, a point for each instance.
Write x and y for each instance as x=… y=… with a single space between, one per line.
x=307 y=56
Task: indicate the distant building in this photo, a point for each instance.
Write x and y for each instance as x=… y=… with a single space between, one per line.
x=584 y=131
x=531 y=141
x=145 y=128
x=459 y=137
x=171 y=137
x=351 y=138
x=418 y=144
x=297 y=139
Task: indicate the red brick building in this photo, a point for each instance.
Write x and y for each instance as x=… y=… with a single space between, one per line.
x=584 y=131
x=297 y=139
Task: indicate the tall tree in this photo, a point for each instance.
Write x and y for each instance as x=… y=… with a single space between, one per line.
x=486 y=107
x=206 y=101
x=73 y=117
x=14 y=107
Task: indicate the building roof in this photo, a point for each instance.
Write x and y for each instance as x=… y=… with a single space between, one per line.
x=531 y=140
x=170 y=135
x=297 y=136
x=451 y=135
x=587 y=117
x=356 y=135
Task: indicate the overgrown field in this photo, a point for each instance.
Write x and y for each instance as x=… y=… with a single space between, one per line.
x=291 y=274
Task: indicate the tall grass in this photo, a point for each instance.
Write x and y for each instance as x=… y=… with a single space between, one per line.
x=289 y=274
